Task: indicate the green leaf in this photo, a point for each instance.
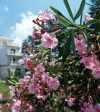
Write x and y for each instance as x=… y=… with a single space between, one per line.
x=63 y=20
x=63 y=34
x=3 y=102
x=79 y=88
x=81 y=19
x=12 y=82
x=66 y=49
x=80 y=10
x=68 y=9
x=77 y=80
x=94 y=21
x=73 y=43
x=61 y=17
x=56 y=11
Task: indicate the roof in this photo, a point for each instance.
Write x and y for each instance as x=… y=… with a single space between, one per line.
x=5 y=38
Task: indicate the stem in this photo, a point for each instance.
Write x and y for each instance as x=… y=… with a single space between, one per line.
x=50 y=55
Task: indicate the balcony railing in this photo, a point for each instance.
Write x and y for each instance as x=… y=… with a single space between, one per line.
x=14 y=53
x=14 y=63
x=9 y=44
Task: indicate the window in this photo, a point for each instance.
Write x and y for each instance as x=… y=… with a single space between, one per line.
x=5 y=43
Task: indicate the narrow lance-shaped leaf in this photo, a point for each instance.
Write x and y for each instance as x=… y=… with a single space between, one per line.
x=59 y=14
x=73 y=43
x=66 y=49
x=94 y=21
x=80 y=10
x=68 y=9
x=81 y=19
x=63 y=20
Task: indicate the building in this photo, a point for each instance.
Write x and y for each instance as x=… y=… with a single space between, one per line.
x=9 y=56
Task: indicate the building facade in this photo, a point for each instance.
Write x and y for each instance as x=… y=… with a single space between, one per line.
x=9 y=56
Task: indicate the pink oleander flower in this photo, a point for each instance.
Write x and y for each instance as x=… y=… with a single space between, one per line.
x=27 y=73
x=80 y=46
x=45 y=77
x=88 y=108
x=90 y=62
x=12 y=94
x=93 y=35
x=97 y=106
x=87 y=62
x=53 y=83
x=16 y=106
x=70 y=101
x=52 y=64
x=92 y=48
x=1 y=97
x=94 y=62
x=45 y=16
x=88 y=17
x=41 y=96
x=12 y=91
x=99 y=87
x=80 y=37
x=26 y=78
x=32 y=56
x=28 y=63
x=0 y=108
x=34 y=88
x=34 y=80
x=49 y=41
x=39 y=68
x=7 y=105
x=21 y=80
x=96 y=72
x=30 y=108
x=36 y=34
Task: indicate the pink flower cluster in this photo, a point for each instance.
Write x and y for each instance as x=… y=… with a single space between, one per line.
x=27 y=62
x=88 y=59
x=12 y=91
x=45 y=16
x=16 y=106
x=80 y=46
x=49 y=41
x=70 y=100
x=36 y=34
x=90 y=107
x=88 y=17
x=1 y=97
x=42 y=84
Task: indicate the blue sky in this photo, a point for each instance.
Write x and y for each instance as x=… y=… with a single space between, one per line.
x=16 y=15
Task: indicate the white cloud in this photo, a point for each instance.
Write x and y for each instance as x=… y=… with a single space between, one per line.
x=21 y=30
x=6 y=8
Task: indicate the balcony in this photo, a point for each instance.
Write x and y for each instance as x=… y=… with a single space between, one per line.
x=15 y=63
x=9 y=44
x=14 y=54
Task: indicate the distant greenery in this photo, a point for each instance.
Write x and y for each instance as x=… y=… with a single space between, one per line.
x=4 y=89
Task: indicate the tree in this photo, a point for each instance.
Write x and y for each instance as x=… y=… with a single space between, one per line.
x=95 y=13
x=27 y=45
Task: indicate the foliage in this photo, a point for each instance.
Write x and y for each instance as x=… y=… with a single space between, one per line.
x=13 y=77
x=95 y=13
x=69 y=81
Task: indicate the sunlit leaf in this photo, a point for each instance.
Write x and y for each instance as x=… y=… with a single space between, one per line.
x=68 y=8
x=80 y=10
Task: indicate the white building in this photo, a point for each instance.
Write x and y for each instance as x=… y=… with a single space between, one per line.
x=9 y=56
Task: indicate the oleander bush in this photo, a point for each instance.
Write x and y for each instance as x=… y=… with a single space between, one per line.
x=63 y=69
